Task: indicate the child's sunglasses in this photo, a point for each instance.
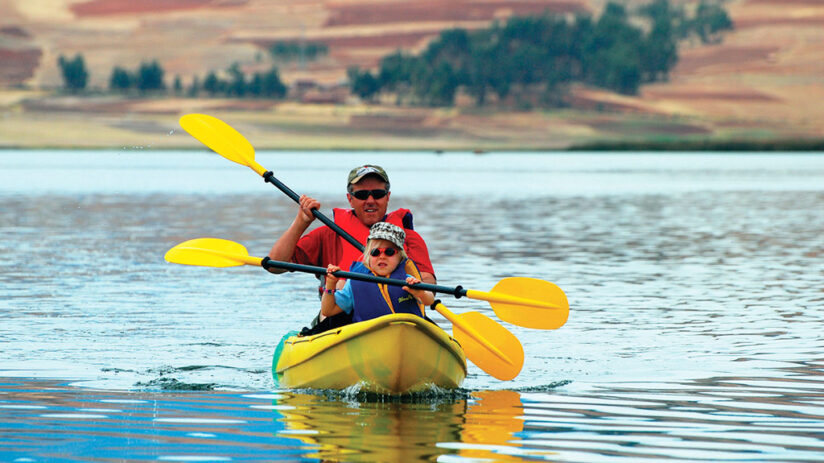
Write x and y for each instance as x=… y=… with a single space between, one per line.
x=363 y=194
x=388 y=251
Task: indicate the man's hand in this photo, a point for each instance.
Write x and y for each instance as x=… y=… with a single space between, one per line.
x=284 y=247
x=306 y=206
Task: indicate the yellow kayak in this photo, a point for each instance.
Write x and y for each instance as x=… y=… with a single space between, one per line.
x=394 y=354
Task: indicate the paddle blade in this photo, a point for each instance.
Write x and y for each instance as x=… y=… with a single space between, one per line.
x=492 y=334
x=221 y=138
x=208 y=252
x=531 y=316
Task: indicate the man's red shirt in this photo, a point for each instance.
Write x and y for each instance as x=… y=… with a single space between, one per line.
x=322 y=247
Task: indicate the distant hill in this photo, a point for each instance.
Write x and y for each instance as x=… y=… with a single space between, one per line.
x=192 y=37
x=764 y=78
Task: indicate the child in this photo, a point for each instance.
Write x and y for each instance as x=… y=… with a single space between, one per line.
x=383 y=256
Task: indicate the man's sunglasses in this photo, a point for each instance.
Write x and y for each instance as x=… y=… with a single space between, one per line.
x=364 y=194
x=388 y=251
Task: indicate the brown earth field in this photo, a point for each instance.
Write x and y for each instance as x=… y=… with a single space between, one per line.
x=763 y=83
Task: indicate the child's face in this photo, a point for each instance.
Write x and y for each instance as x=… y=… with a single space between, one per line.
x=382 y=264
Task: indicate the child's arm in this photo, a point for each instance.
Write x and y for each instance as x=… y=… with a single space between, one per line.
x=425 y=297
x=328 y=307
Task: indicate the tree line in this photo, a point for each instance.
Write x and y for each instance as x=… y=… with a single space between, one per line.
x=526 y=58
x=534 y=58
x=148 y=78
x=297 y=51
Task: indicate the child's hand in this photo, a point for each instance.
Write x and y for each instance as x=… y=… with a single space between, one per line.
x=424 y=296
x=331 y=280
x=328 y=304
x=410 y=280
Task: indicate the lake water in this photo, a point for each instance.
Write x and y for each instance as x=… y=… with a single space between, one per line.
x=696 y=286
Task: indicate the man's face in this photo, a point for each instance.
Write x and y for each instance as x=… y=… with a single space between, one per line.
x=370 y=210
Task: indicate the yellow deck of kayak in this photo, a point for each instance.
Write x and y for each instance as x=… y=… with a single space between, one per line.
x=393 y=354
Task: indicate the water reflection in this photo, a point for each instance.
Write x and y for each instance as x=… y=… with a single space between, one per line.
x=414 y=429
x=722 y=418
x=42 y=419
x=695 y=334
x=491 y=425
x=50 y=421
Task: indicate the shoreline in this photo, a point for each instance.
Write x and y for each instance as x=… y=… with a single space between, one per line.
x=771 y=146
x=812 y=146
x=54 y=123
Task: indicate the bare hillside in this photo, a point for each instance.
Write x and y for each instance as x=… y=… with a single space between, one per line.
x=191 y=37
x=764 y=79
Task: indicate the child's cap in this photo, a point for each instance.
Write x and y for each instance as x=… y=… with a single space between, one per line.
x=389 y=232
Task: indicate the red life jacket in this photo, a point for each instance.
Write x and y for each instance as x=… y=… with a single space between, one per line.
x=346 y=219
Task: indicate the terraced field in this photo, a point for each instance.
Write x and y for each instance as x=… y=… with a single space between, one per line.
x=763 y=81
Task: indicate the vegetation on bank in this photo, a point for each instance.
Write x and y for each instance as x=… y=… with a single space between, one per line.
x=149 y=79
x=528 y=60
x=532 y=60
x=783 y=145
x=288 y=51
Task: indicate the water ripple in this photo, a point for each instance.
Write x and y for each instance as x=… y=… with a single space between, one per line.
x=694 y=282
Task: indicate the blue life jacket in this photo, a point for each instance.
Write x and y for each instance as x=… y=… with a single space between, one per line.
x=370 y=299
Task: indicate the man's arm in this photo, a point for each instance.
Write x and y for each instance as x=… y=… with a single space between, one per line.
x=429 y=278
x=284 y=247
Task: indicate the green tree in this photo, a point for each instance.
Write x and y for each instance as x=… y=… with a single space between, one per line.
x=396 y=71
x=661 y=11
x=212 y=84
x=121 y=80
x=659 y=50
x=298 y=51
x=621 y=70
x=150 y=77
x=453 y=47
x=237 y=81
x=611 y=56
x=529 y=59
x=486 y=73
x=582 y=29
x=436 y=86
x=194 y=89
x=270 y=84
x=363 y=83
x=659 y=53
x=536 y=52
x=255 y=86
x=710 y=20
x=75 y=75
x=178 y=86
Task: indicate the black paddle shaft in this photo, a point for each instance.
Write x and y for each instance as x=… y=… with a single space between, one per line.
x=269 y=177
x=267 y=263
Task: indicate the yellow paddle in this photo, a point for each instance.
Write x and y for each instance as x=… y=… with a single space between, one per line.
x=502 y=360
x=527 y=302
x=221 y=138
x=224 y=140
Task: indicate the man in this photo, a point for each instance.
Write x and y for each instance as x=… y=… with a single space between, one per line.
x=368 y=195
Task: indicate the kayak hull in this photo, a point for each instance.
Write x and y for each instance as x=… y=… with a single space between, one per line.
x=394 y=354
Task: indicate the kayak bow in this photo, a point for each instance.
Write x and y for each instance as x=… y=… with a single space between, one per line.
x=394 y=354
